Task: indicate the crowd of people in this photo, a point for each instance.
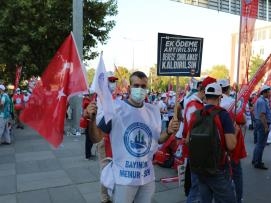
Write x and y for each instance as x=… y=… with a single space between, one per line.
x=145 y=123
x=11 y=105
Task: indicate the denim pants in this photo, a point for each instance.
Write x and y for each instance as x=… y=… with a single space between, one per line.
x=194 y=194
x=218 y=187
x=237 y=177
x=261 y=142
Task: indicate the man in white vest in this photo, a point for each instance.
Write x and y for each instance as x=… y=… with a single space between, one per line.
x=135 y=131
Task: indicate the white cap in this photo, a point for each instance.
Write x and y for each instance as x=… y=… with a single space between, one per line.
x=2 y=87
x=171 y=93
x=110 y=75
x=265 y=87
x=164 y=95
x=224 y=82
x=18 y=89
x=213 y=89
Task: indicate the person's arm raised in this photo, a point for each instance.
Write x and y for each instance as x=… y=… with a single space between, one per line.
x=95 y=134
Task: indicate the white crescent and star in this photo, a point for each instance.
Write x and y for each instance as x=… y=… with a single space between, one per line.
x=61 y=93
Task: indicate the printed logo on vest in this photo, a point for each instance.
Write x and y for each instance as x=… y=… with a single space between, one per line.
x=138 y=139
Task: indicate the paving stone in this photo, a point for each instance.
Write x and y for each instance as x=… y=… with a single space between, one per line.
x=39 y=196
x=8 y=198
x=32 y=156
x=7 y=184
x=32 y=181
x=68 y=194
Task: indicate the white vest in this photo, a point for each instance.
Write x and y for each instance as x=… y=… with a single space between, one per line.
x=134 y=139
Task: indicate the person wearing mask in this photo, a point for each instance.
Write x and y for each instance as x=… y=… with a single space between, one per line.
x=135 y=131
x=262 y=115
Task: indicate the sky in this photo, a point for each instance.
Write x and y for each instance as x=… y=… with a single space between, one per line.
x=133 y=41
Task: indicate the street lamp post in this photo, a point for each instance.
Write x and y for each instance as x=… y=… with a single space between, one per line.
x=133 y=50
x=75 y=101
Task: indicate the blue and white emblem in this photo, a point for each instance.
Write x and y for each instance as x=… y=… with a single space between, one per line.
x=138 y=139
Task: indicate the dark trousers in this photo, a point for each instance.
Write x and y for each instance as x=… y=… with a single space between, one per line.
x=88 y=145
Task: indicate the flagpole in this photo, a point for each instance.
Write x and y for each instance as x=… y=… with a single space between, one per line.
x=176 y=98
x=238 y=56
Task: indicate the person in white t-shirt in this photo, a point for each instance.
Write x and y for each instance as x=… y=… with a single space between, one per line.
x=135 y=131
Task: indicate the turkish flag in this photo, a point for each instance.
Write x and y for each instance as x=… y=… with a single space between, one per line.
x=63 y=78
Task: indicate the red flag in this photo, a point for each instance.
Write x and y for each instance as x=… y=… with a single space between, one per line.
x=246 y=90
x=268 y=80
x=249 y=14
x=18 y=76
x=62 y=78
x=170 y=87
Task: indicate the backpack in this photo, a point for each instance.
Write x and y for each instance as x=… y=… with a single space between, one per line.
x=206 y=142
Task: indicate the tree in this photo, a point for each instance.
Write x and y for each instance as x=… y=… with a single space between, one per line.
x=218 y=72
x=32 y=30
x=90 y=75
x=255 y=63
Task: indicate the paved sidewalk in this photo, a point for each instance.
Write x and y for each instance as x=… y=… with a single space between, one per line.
x=31 y=171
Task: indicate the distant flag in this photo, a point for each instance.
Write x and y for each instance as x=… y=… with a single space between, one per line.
x=100 y=86
x=117 y=70
x=63 y=78
x=249 y=14
x=124 y=83
x=17 y=76
x=170 y=87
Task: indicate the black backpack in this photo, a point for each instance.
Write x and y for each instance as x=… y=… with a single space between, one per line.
x=206 y=144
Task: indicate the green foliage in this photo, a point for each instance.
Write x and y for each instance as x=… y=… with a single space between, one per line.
x=90 y=75
x=218 y=72
x=255 y=63
x=31 y=31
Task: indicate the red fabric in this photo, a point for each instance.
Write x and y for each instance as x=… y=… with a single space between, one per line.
x=246 y=90
x=219 y=127
x=62 y=78
x=239 y=151
x=18 y=106
x=107 y=146
x=198 y=105
x=18 y=76
x=249 y=14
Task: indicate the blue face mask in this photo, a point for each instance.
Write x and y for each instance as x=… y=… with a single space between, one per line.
x=138 y=94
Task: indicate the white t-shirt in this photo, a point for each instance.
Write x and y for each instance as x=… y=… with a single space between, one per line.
x=134 y=140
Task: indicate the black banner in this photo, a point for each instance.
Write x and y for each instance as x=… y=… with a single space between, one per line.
x=179 y=55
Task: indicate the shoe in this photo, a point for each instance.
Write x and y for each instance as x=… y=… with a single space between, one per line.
x=252 y=162
x=22 y=127
x=17 y=126
x=106 y=201
x=5 y=143
x=260 y=166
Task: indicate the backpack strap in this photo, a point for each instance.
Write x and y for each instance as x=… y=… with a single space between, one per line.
x=226 y=157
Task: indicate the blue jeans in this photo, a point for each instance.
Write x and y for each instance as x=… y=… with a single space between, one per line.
x=194 y=195
x=237 y=177
x=261 y=142
x=218 y=187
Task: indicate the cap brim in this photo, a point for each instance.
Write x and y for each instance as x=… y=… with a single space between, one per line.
x=112 y=78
